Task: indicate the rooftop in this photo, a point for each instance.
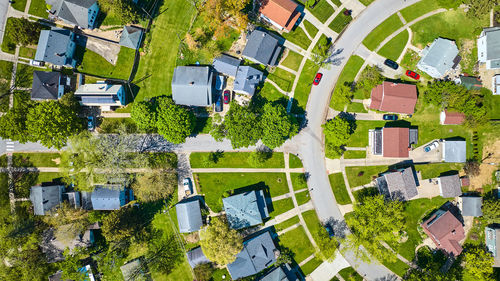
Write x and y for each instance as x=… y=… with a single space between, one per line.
x=440 y=56
x=262 y=47
x=56 y=46
x=74 y=11
x=46 y=85
x=226 y=64
x=192 y=85
x=451 y=117
x=282 y=12
x=45 y=198
x=108 y=197
x=131 y=37
x=245 y=209
x=189 y=216
x=394 y=97
x=449 y=186
x=196 y=257
x=396 y=142
x=446 y=231
x=398 y=185
x=247 y=80
x=471 y=206
x=454 y=151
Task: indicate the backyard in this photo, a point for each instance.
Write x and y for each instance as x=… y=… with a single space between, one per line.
x=358 y=176
x=94 y=64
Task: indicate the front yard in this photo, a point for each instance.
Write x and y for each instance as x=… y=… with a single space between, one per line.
x=339 y=189
x=233 y=160
x=358 y=176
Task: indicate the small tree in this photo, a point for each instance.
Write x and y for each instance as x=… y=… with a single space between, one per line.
x=72 y=263
x=174 y=122
x=277 y=125
x=204 y=271
x=341 y=96
x=220 y=243
x=121 y=224
x=368 y=79
x=337 y=132
x=144 y=115
x=163 y=253
x=472 y=167
x=259 y=157
x=285 y=257
x=478 y=264
x=328 y=245
x=491 y=210
x=155 y=185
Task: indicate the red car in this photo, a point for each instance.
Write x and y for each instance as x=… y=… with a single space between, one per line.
x=412 y=74
x=317 y=78
x=227 y=96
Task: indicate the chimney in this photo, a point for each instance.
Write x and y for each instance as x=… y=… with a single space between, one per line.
x=191 y=83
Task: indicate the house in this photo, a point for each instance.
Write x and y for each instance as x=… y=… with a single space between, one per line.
x=196 y=257
x=488 y=47
x=470 y=83
x=398 y=185
x=82 y=13
x=495 y=84
x=226 y=65
x=392 y=141
x=445 y=230
x=454 y=151
x=193 y=85
x=282 y=273
x=47 y=85
x=394 y=97
x=262 y=48
x=247 y=79
x=56 y=241
x=492 y=240
x=131 y=37
x=451 y=117
x=438 y=58
x=135 y=270
x=107 y=197
x=258 y=253
x=449 y=186
x=189 y=216
x=57 y=46
x=245 y=209
x=471 y=206
x=102 y=95
x=282 y=14
x=45 y=198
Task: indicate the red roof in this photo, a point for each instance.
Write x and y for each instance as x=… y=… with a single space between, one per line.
x=393 y=97
x=282 y=12
x=453 y=118
x=395 y=142
x=445 y=232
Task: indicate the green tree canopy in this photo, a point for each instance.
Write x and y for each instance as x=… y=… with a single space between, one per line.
x=342 y=96
x=368 y=79
x=242 y=126
x=478 y=264
x=491 y=210
x=174 y=123
x=144 y=115
x=328 y=245
x=71 y=264
x=23 y=31
x=220 y=243
x=121 y=224
x=163 y=253
x=277 y=125
x=154 y=186
x=337 y=132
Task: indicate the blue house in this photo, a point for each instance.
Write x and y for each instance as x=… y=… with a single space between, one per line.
x=57 y=46
x=109 y=197
x=189 y=216
x=245 y=209
x=82 y=13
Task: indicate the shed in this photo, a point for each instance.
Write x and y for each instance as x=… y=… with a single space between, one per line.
x=226 y=64
x=189 y=216
x=196 y=257
x=449 y=186
x=454 y=151
x=471 y=206
x=247 y=80
x=131 y=37
x=451 y=117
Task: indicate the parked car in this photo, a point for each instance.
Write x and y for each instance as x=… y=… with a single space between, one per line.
x=412 y=74
x=347 y=12
x=218 y=104
x=390 y=117
x=227 y=96
x=392 y=64
x=37 y=63
x=317 y=78
x=91 y=123
x=433 y=145
x=187 y=186
x=220 y=81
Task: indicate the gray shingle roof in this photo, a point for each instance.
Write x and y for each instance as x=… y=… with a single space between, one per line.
x=257 y=254
x=56 y=46
x=189 y=216
x=44 y=198
x=226 y=65
x=245 y=209
x=277 y=274
x=439 y=56
x=492 y=43
x=399 y=185
x=196 y=257
x=471 y=206
x=131 y=37
x=74 y=11
x=45 y=85
x=247 y=79
x=449 y=186
x=109 y=197
x=192 y=85
x=454 y=151
x=262 y=48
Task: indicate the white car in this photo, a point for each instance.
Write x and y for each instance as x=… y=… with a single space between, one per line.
x=187 y=186
x=433 y=145
x=37 y=63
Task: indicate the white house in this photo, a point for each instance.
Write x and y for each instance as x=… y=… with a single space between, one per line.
x=101 y=94
x=488 y=47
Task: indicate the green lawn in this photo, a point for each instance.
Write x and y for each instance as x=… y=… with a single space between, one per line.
x=354 y=154
x=302 y=197
x=298 y=181
x=6 y=69
x=19 y=5
x=213 y=185
x=8 y=44
x=113 y=125
x=157 y=66
x=311 y=265
x=304 y=84
x=349 y=273
x=48 y=177
x=366 y=2
x=398 y=267
x=356 y=107
x=360 y=136
x=340 y=22
x=281 y=206
x=418 y=9
x=383 y=30
x=24 y=75
x=26 y=52
x=292 y=60
x=38 y=8
x=311 y=29
x=270 y=93
x=395 y=46
x=298 y=37
x=321 y=11
x=297 y=241
x=282 y=78
x=339 y=188
x=494 y=110
x=286 y=224
x=348 y=74
x=234 y=160
x=92 y=63
x=434 y=170
x=294 y=161
x=36 y=159
x=355 y=177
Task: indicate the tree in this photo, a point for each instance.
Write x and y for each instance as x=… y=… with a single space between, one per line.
x=341 y=96
x=72 y=263
x=68 y=215
x=52 y=123
x=121 y=224
x=285 y=257
x=224 y=14
x=479 y=8
x=328 y=245
x=368 y=79
x=23 y=31
x=337 y=132
x=220 y=243
x=322 y=50
x=242 y=126
x=277 y=125
x=375 y=220
x=259 y=157
x=491 y=210
x=69 y=101
x=204 y=271
x=174 y=123
x=144 y=115
x=13 y=125
x=123 y=9
x=163 y=253
x=478 y=264
x=472 y=167
x=154 y=186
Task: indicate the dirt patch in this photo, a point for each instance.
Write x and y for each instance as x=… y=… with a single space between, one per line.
x=468 y=59
x=192 y=238
x=491 y=154
x=56 y=160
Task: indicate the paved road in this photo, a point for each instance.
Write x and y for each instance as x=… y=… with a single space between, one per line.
x=4 y=8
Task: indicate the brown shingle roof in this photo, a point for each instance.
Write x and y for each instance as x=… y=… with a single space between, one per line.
x=445 y=230
x=393 y=97
x=282 y=12
x=396 y=142
x=453 y=118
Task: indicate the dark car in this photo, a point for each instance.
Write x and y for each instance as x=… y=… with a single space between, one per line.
x=392 y=64
x=227 y=96
x=347 y=12
x=218 y=104
x=329 y=229
x=317 y=78
x=91 y=123
x=412 y=74
x=390 y=117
